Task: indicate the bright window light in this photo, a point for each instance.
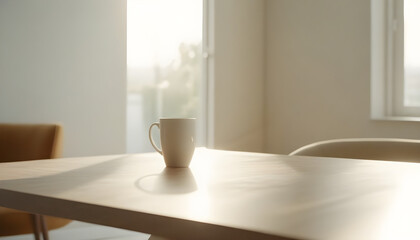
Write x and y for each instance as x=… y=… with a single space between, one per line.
x=412 y=53
x=164 y=46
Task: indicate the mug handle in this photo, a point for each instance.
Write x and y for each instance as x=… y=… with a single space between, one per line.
x=151 y=139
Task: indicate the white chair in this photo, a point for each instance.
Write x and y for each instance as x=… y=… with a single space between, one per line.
x=391 y=149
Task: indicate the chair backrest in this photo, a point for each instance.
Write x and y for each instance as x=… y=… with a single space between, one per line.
x=21 y=142
x=391 y=149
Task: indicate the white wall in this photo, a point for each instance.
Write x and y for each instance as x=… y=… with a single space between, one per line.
x=318 y=74
x=64 y=61
x=239 y=62
x=301 y=68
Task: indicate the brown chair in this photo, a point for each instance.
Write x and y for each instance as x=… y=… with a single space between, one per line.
x=23 y=142
x=390 y=149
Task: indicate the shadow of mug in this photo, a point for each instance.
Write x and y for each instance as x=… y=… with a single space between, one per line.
x=169 y=181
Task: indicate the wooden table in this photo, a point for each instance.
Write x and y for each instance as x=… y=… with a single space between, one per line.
x=224 y=195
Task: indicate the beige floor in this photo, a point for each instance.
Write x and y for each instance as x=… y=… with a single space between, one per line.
x=85 y=231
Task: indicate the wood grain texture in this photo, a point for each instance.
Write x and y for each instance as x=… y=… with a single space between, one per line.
x=224 y=195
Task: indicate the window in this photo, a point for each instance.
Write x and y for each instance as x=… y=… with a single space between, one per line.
x=395 y=58
x=164 y=66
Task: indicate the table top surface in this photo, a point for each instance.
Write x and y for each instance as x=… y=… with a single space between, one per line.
x=224 y=195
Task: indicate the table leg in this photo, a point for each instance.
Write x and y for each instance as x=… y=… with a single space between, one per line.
x=154 y=237
x=44 y=228
x=36 y=225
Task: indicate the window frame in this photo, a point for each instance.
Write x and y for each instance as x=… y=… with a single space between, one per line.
x=399 y=78
x=387 y=62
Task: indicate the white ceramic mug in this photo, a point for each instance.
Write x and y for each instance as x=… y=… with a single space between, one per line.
x=177 y=138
